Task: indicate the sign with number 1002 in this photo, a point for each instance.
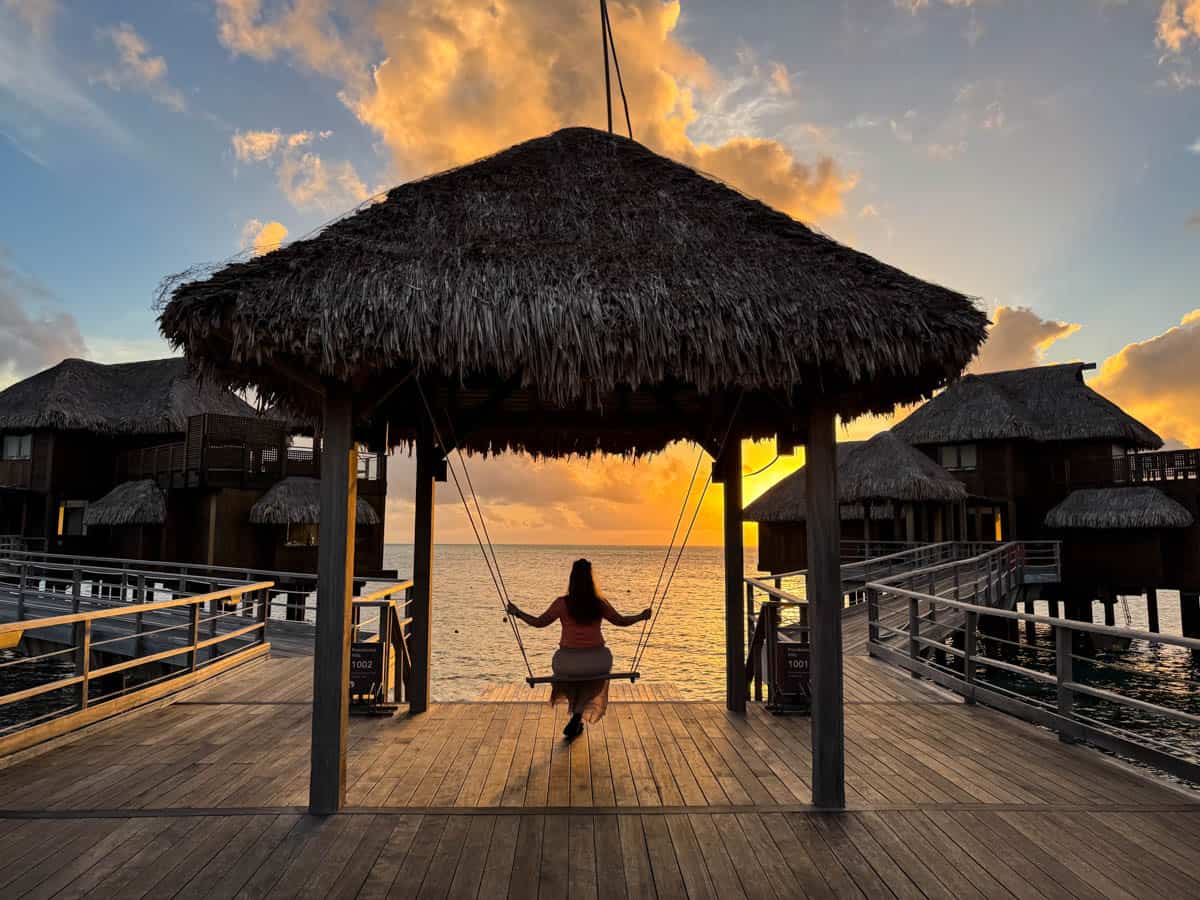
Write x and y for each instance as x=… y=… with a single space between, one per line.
x=366 y=667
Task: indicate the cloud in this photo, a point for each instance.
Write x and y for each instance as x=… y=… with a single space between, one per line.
x=781 y=81
x=32 y=76
x=1019 y=338
x=137 y=70
x=1195 y=147
x=311 y=183
x=870 y=211
x=260 y=237
x=38 y=15
x=1155 y=380
x=1178 y=22
x=33 y=335
x=1194 y=220
x=457 y=80
x=946 y=151
x=307 y=180
x=255 y=146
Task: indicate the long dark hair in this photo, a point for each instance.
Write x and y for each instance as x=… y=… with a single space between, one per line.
x=583 y=600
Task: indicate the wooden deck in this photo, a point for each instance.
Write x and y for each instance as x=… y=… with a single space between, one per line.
x=664 y=797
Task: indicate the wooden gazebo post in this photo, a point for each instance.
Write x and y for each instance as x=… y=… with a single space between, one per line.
x=729 y=467
x=824 y=588
x=421 y=606
x=335 y=578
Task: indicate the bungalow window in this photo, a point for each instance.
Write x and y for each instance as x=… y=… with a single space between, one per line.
x=70 y=518
x=302 y=534
x=957 y=457
x=18 y=446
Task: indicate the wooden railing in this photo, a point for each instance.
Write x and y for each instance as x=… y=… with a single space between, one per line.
x=292 y=595
x=190 y=627
x=1162 y=465
x=937 y=635
x=226 y=461
x=779 y=602
x=390 y=627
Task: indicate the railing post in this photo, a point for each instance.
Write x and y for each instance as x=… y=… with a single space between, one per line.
x=76 y=589
x=914 y=632
x=872 y=616
x=214 y=606
x=193 y=656
x=1064 y=673
x=83 y=652
x=21 y=591
x=969 y=628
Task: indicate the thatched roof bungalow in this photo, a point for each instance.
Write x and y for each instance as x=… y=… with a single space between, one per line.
x=572 y=294
x=155 y=397
x=1043 y=404
x=129 y=503
x=887 y=490
x=297 y=501
x=882 y=472
x=1119 y=507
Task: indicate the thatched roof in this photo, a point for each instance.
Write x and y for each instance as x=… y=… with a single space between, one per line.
x=1119 y=507
x=152 y=397
x=879 y=470
x=1045 y=403
x=297 y=501
x=129 y=503
x=584 y=269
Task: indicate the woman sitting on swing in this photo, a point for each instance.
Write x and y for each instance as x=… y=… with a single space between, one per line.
x=581 y=656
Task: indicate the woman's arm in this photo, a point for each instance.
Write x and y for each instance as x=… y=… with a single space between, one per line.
x=551 y=613
x=623 y=621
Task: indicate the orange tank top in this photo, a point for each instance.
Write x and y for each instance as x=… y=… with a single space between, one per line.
x=579 y=635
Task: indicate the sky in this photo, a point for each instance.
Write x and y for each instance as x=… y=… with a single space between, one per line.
x=1042 y=157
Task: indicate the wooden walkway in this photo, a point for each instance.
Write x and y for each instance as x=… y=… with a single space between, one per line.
x=664 y=798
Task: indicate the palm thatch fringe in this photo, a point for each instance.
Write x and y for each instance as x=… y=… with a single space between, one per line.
x=582 y=264
x=883 y=468
x=1119 y=507
x=152 y=397
x=296 y=500
x=1044 y=403
x=129 y=503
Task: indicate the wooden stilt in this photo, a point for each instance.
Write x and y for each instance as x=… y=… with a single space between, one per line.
x=1152 y=609
x=1189 y=613
x=335 y=567
x=735 y=637
x=824 y=588
x=421 y=605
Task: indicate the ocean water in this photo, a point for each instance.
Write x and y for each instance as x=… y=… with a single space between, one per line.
x=474 y=648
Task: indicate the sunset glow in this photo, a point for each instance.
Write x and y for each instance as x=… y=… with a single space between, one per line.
x=978 y=145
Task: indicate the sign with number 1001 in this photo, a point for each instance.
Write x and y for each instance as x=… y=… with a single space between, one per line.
x=793 y=672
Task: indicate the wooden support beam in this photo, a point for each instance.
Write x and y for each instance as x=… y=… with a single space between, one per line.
x=824 y=588
x=429 y=462
x=335 y=574
x=1152 y=609
x=730 y=465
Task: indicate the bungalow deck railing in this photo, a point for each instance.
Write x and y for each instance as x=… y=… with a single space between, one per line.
x=49 y=692
x=225 y=462
x=935 y=632
x=777 y=605
x=1158 y=466
x=291 y=597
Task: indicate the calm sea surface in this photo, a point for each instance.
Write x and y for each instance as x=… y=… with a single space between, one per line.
x=473 y=648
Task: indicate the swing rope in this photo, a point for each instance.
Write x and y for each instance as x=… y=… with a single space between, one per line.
x=647 y=632
x=490 y=560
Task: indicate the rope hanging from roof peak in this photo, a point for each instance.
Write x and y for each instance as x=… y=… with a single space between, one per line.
x=608 y=41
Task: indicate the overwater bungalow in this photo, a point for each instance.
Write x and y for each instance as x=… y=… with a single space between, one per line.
x=144 y=460
x=887 y=491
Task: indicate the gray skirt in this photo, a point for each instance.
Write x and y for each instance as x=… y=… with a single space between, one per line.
x=580 y=662
x=589 y=697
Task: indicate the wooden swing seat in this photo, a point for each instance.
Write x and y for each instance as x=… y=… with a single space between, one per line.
x=631 y=677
